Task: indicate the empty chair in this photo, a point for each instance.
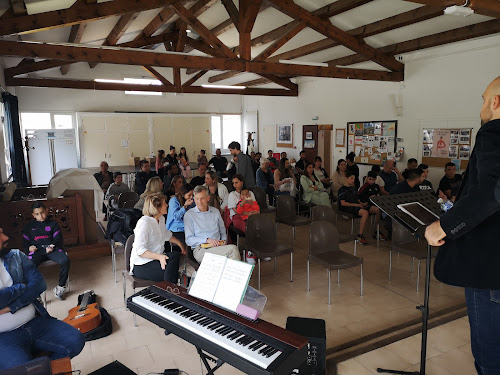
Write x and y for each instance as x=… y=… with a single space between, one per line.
x=324 y=249
x=327 y=213
x=260 y=196
x=135 y=281
x=261 y=240
x=130 y=203
x=285 y=214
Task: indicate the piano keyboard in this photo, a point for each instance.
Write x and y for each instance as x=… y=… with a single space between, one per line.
x=190 y=320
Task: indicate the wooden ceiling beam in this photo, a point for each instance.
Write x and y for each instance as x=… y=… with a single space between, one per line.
x=113 y=55
x=35 y=66
x=233 y=12
x=75 y=36
x=202 y=46
x=282 y=81
x=382 y=26
x=463 y=33
x=149 y=41
x=188 y=17
x=92 y=85
x=78 y=13
x=326 y=28
x=157 y=75
x=247 y=15
x=158 y=21
x=196 y=77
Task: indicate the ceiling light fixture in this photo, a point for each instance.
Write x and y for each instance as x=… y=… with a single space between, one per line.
x=223 y=87
x=298 y=62
x=457 y=10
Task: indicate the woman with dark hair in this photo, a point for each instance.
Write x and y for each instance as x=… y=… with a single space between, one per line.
x=148 y=259
x=172 y=157
x=171 y=173
x=284 y=181
x=184 y=163
x=313 y=189
x=202 y=158
x=353 y=167
x=321 y=174
x=215 y=187
x=159 y=160
x=338 y=177
x=177 y=207
x=234 y=196
x=175 y=186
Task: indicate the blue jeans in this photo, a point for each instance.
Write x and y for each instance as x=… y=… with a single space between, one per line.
x=40 y=334
x=483 y=307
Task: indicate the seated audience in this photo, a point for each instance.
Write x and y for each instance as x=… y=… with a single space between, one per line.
x=173 y=170
x=321 y=174
x=284 y=180
x=349 y=202
x=390 y=174
x=272 y=160
x=115 y=189
x=302 y=163
x=143 y=176
x=177 y=207
x=425 y=185
x=369 y=189
x=154 y=186
x=203 y=225
x=293 y=163
x=148 y=259
x=200 y=179
x=265 y=179
x=353 y=167
x=234 y=196
x=410 y=185
x=338 y=177
x=411 y=164
x=104 y=177
x=246 y=207
x=217 y=189
x=159 y=160
x=25 y=325
x=172 y=157
x=219 y=162
x=184 y=163
x=202 y=158
x=43 y=241
x=175 y=186
x=313 y=190
x=213 y=201
x=283 y=155
x=255 y=162
x=451 y=181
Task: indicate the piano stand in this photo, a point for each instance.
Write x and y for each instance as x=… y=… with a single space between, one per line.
x=205 y=358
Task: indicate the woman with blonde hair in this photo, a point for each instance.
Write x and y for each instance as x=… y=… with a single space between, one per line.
x=154 y=185
x=148 y=259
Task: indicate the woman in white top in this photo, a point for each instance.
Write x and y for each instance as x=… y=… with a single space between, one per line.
x=234 y=196
x=338 y=177
x=215 y=187
x=148 y=259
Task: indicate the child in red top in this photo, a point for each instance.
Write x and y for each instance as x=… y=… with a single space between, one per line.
x=246 y=207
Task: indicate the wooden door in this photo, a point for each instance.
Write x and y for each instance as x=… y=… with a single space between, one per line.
x=311 y=132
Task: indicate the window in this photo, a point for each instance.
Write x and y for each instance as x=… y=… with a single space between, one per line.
x=225 y=129
x=45 y=120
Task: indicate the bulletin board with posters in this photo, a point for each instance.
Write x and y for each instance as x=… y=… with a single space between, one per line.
x=441 y=146
x=373 y=142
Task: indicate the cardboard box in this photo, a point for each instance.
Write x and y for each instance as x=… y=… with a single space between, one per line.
x=134 y=161
x=152 y=161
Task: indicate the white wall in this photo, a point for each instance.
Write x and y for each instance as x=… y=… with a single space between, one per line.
x=443 y=87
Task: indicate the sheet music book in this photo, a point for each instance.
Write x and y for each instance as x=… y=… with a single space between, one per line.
x=221 y=280
x=419 y=212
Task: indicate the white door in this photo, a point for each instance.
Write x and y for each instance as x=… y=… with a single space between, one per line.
x=65 y=153
x=40 y=162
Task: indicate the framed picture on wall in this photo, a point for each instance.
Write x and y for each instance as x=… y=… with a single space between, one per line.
x=309 y=135
x=284 y=135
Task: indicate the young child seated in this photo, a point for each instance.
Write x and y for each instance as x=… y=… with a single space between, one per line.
x=42 y=240
x=115 y=189
x=348 y=201
x=246 y=207
x=369 y=189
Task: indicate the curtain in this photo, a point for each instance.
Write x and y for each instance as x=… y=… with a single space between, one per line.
x=14 y=138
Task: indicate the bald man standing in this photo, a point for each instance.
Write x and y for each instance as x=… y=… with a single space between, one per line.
x=469 y=254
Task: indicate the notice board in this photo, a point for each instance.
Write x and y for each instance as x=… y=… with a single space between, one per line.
x=373 y=142
x=441 y=146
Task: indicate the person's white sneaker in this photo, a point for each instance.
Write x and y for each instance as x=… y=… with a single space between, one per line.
x=59 y=291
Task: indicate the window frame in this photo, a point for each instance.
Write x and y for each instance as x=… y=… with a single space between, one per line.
x=223 y=148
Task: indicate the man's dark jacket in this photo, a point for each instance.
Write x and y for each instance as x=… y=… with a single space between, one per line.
x=141 y=179
x=470 y=256
x=98 y=177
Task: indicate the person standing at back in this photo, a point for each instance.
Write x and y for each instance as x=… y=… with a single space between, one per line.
x=244 y=165
x=353 y=167
x=467 y=235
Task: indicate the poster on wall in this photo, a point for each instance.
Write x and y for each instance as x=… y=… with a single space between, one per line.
x=389 y=129
x=441 y=143
x=351 y=141
x=284 y=135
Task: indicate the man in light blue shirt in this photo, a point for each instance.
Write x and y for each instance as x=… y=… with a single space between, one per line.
x=204 y=229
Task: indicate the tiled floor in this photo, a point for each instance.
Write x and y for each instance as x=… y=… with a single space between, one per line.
x=146 y=349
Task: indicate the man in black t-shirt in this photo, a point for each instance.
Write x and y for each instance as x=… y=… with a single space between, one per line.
x=199 y=180
x=411 y=164
x=410 y=185
x=143 y=176
x=302 y=163
x=425 y=185
x=451 y=181
x=219 y=162
x=369 y=189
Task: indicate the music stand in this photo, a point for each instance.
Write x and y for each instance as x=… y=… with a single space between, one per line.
x=388 y=204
